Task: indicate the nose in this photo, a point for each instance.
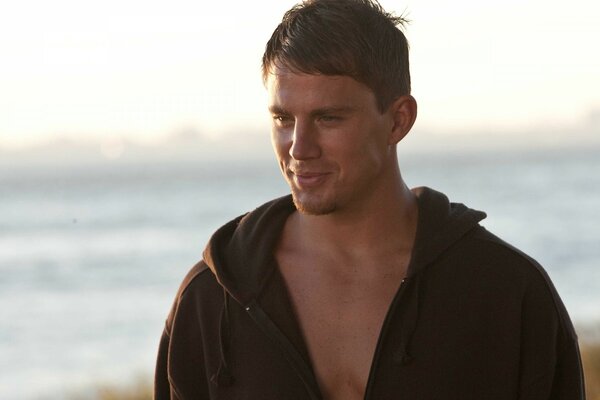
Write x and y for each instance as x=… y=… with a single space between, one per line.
x=305 y=144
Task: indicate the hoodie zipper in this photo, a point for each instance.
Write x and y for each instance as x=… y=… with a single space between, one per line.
x=291 y=353
x=384 y=328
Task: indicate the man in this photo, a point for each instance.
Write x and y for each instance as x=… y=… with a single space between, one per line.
x=355 y=287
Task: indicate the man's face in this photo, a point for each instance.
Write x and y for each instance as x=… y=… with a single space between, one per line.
x=331 y=141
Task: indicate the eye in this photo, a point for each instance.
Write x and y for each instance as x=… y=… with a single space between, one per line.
x=281 y=119
x=330 y=118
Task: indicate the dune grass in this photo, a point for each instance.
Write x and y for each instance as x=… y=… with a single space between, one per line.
x=139 y=389
x=590 y=355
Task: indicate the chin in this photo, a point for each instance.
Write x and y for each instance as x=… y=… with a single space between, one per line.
x=313 y=205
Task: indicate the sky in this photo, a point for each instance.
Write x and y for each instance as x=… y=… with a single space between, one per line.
x=144 y=70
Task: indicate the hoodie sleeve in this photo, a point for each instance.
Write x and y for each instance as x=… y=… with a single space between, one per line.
x=180 y=349
x=550 y=360
x=162 y=390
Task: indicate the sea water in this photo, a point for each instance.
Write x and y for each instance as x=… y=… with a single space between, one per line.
x=91 y=254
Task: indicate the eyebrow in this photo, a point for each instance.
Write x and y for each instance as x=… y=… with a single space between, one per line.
x=277 y=110
x=274 y=109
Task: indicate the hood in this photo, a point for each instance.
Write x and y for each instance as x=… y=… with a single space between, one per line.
x=240 y=254
x=440 y=224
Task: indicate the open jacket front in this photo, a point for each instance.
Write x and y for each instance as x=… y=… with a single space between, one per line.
x=474 y=319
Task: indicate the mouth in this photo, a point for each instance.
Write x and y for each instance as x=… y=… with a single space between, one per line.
x=307 y=180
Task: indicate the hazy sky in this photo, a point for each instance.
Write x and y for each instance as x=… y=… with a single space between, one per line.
x=145 y=69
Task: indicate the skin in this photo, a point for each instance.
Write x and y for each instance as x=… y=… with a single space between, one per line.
x=337 y=152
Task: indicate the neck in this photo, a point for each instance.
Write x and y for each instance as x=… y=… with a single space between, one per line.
x=385 y=223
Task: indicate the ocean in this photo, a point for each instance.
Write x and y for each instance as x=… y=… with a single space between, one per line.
x=91 y=254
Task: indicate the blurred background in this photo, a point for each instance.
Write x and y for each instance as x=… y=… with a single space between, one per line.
x=130 y=130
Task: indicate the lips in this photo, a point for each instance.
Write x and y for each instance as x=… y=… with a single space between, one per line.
x=305 y=179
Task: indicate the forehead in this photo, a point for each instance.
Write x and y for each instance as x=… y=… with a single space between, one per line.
x=288 y=89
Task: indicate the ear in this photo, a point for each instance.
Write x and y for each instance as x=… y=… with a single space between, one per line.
x=404 y=113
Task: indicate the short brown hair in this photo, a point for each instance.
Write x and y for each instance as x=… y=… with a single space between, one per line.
x=355 y=38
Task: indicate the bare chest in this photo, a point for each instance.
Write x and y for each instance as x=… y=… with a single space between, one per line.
x=340 y=318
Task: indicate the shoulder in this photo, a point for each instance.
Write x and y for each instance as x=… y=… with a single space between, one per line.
x=494 y=251
x=197 y=270
x=500 y=265
x=200 y=281
x=484 y=263
x=198 y=286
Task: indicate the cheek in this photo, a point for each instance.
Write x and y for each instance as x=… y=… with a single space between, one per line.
x=366 y=153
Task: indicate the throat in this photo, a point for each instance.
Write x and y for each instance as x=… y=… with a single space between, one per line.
x=357 y=235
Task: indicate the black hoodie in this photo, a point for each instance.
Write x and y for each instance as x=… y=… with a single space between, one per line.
x=473 y=319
